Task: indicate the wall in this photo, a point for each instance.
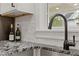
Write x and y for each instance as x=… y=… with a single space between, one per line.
x=52 y=37
x=41 y=16
x=27 y=24
x=56 y=38
x=34 y=28
x=30 y=23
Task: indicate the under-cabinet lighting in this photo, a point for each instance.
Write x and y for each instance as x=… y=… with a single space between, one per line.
x=75 y=4
x=57 y=8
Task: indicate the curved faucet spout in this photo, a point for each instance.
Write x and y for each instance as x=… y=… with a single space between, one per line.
x=65 y=24
x=66 y=43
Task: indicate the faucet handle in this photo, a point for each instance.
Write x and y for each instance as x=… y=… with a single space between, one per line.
x=72 y=43
x=73 y=38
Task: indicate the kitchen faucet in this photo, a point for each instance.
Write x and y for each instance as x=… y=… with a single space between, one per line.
x=66 y=42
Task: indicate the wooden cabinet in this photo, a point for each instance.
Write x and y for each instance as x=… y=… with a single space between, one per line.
x=5 y=23
x=19 y=9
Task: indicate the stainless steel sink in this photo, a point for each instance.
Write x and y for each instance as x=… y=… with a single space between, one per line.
x=46 y=51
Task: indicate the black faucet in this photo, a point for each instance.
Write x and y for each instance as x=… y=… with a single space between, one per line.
x=66 y=42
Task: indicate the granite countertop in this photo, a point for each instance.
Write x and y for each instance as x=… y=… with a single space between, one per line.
x=8 y=48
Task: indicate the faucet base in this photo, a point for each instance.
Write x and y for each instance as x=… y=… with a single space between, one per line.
x=66 y=46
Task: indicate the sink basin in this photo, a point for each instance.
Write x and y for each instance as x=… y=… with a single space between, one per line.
x=55 y=51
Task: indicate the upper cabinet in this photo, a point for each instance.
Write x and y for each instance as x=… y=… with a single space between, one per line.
x=16 y=9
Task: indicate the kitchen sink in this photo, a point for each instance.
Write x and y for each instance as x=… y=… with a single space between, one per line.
x=55 y=51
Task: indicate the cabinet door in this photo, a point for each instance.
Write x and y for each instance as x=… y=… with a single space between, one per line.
x=26 y=7
x=5 y=7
